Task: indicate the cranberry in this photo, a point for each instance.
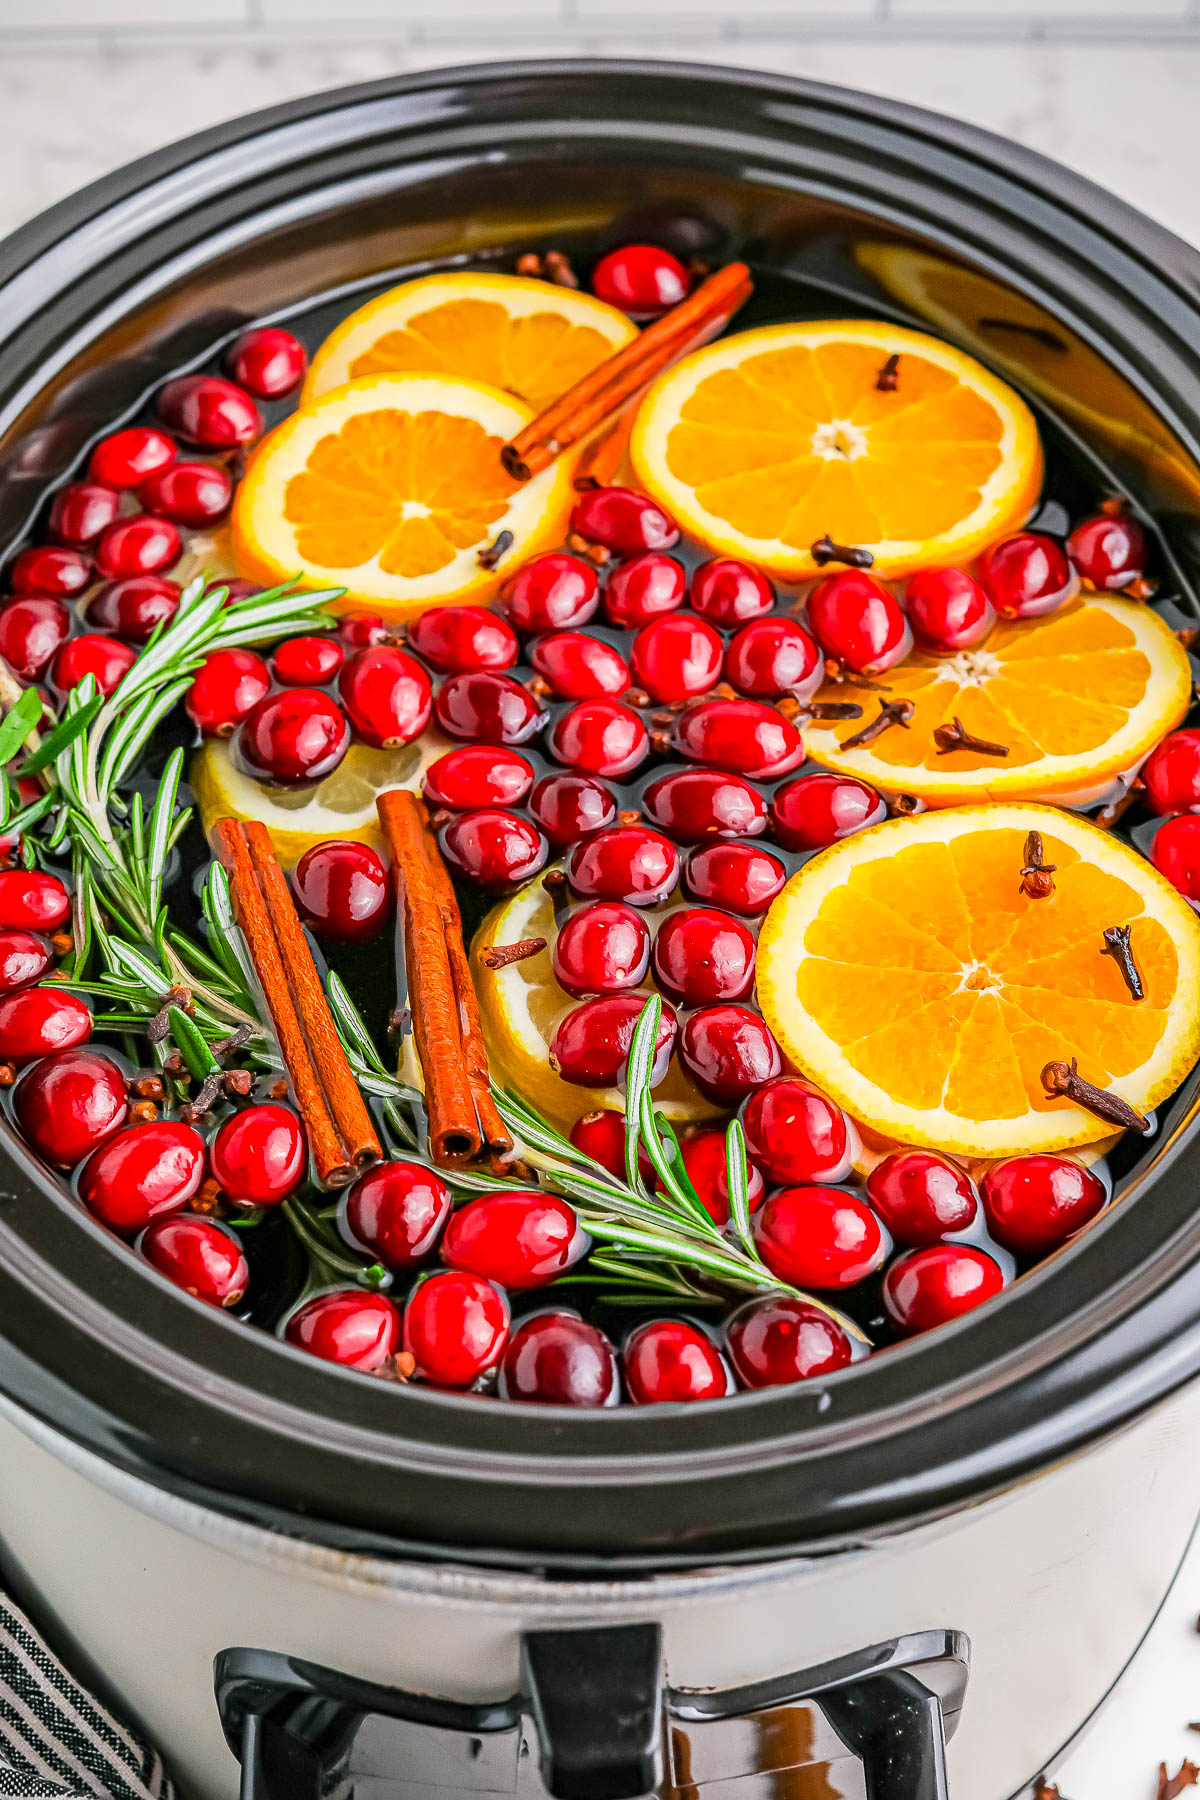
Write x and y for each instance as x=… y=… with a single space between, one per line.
x=267 y=361
x=601 y=1135
x=128 y=457
x=210 y=411
x=396 y=1211
x=601 y=737
x=558 y=1359
x=1176 y=853
x=477 y=775
x=144 y=545
x=921 y=1197
x=708 y=1171
x=816 y=810
x=731 y=592
x=36 y=1020
x=797 y=1133
x=351 y=1327
x=1109 y=550
x=641 y=280
x=343 y=891
x=493 y=847
x=728 y=1051
x=298 y=735
x=924 y=1288
x=50 y=573
x=551 y=592
x=677 y=658
x=644 y=588
x=819 y=1237
x=232 y=589
x=91 y=653
x=81 y=511
x=135 y=607
x=668 y=1360
x=70 y=1102
x=142 y=1173
x=518 y=1240
x=579 y=667
x=777 y=1340
x=387 y=696
x=24 y=959
x=487 y=708
x=774 y=657
x=590 y=1047
x=360 y=629
x=743 y=736
x=701 y=955
x=735 y=876
x=1171 y=774
x=624 y=862
x=947 y=609
x=698 y=803
x=1027 y=575
x=307 y=661
x=32 y=901
x=455 y=1327
x=228 y=685
x=260 y=1155
x=195 y=494
x=456 y=639
x=1035 y=1203
x=623 y=521
x=859 y=622
x=567 y=807
x=602 y=949
x=31 y=630
x=198 y=1255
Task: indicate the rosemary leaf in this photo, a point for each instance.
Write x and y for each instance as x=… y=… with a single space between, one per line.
x=189 y=1041
x=22 y=717
x=637 y=1081
x=738 y=1180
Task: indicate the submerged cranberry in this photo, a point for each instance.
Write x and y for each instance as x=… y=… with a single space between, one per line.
x=193 y=493
x=551 y=592
x=1109 y=550
x=307 y=661
x=701 y=955
x=601 y=737
x=200 y=1256
x=359 y=629
x=50 y=573
x=778 y=1340
x=743 y=736
x=947 y=609
x=816 y=810
x=24 y=959
x=1171 y=774
x=773 y=657
x=668 y=1360
x=677 y=658
x=351 y=1327
x=134 y=607
x=127 y=458
x=456 y=639
x=487 y=708
x=858 y=622
x=36 y=1020
x=644 y=588
x=693 y=804
x=731 y=592
x=294 y=736
x=343 y=891
x=921 y=1197
x=1035 y=1203
x=518 y=1240
x=81 y=511
x=797 y=1133
x=228 y=685
x=624 y=862
x=641 y=280
x=387 y=696
x=736 y=876
x=106 y=659
x=590 y=1047
x=396 y=1211
x=208 y=410
x=260 y=1155
x=704 y=1158
x=623 y=520
x=141 y=1173
x=728 y=1051
x=567 y=807
x=32 y=901
x=455 y=1327
x=819 y=1237
x=924 y=1288
x=602 y=949
x=70 y=1102
x=493 y=847
x=477 y=775
x=1027 y=575
x=31 y=630
x=267 y=361
x=143 y=545
x=1176 y=854
x=579 y=667
x=558 y=1359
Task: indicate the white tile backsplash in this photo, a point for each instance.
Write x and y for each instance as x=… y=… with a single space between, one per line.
x=72 y=16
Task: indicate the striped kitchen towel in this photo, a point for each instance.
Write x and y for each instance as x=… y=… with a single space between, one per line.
x=56 y=1742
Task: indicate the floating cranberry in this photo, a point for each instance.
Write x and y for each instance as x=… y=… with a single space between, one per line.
x=142 y=1173
x=567 y=807
x=644 y=588
x=228 y=685
x=743 y=736
x=396 y=1211
x=731 y=592
x=624 y=862
x=924 y=1288
x=641 y=280
x=195 y=494
x=819 y=1237
x=455 y=1327
x=728 y=1051
x=70 y=1102
x=590 y=1047
x=1171 y=774
x=698 y=803
x=24 y=959
x=106 y=659
x=558 y=1359
x=307 y=661
x=1027 y=575
x=858 y=622
x=144 y=545
x=735 y=876
x=129 y=457
x=677 y=658
x=518 y=1240
x=1035 y=1203
x=623 y=521
x=267 y=361
x=921 y=1197
x=550 y=593
x=947 y=609
x=816 y=810
x=601 y=1135
x=579 y=667
x=135 y=607
x=260 y=1155
x=707 y=1168
x=774 y=657
x=210 y=411
x=294 y=736
x=457 y=639
x=1109 y=550
x=351 y=1327
x=387 y=696
x=50 y=573
x=602 y=949
x=487 y=708
x=360 y=629
x=602 y=737
x=667 y=1360
x=32 y=901
x=343 y=891
x=81 y=511
x=198 y=1255
x=493 y=847
x=31 y=630
x=701 y=955
x=777 y=1340
x=797 y=1133
x=477 y=775
x=1176 y=854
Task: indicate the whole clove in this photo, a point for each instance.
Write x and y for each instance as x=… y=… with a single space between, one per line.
x=886 y=382
x=552 y=265
x=160 y=1024
x=499 y=956
x=1118 y=944
x=1037 y=877
x=855 y=556
x=891 y=712
x=498 y=548
x=955 y=736
x=1062 y=1081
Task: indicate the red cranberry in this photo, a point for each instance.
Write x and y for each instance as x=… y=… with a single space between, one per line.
x=260 y=1155
x=579 y=667
x=816 y=810
x=32 y=901
x=477 y=775
x=518 y=1240
x=456 y=639
x=30 y=632
x=36 y=1020
x=777 y=1340
x=859 y=622
x=81 y=511
x=551 y=592
x=567 y=807
x=924 y=1288
x=91 y=653
x=728 y=1051
x=774 y=657
x=558 y=1359
x=70 y=1102
x=623 y=521
x=602 y=949
x=198 y=1255
x=677 y=658
x=641 y=280
x=743 y=736
x=797 y=1133
x=387 y=696
x=359 y=629
x=493 y=847
x=1027 y=575
x=455 y=1327
x=644 y=588
x=144 y=545
x=731 y=592
x=210 y=411
x=668 y=1360
x=921 y=1197
x=267 y=361
x=708 y=1171
x=601 y=1135
x=298 y=735
x=1171 y=774
x=135 y=607
x=735 y=876
x=947 y=609
x=487 y=708
x=228 y=686
x=1176 y=853
x=1109 y=550
x=343 y=891
x=1035 y=1203
x=602 y=737
x=50 y=573
x=701 y=955
x=624 y=862
x=142 y=1173
x=819 y=1237
x=698 y=803
x=307 y=661
x=396 y=1211
x=351 y=1327
x=590 y=1047
x=195 y=494
x=129 y=457
x=24 y=959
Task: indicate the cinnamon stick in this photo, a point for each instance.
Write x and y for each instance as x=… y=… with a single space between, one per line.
x=602 y=458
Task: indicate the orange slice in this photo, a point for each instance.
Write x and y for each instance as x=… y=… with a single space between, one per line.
x=767 y=441
x=905 y=972
x=1076 y=699
x=529 y=338
x=390 y=487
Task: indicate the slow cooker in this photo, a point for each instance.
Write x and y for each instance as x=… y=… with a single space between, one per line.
x=926 y=1570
